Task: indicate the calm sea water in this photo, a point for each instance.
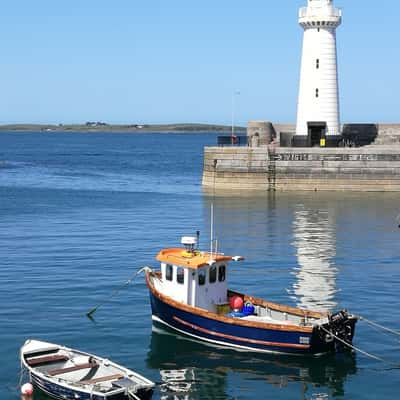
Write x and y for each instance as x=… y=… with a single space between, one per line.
x=80 y=213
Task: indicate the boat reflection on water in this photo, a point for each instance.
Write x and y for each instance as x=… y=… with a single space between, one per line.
x=190 y=370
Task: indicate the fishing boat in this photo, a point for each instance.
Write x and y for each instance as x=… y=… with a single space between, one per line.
x=189 y=293
x=69 y=374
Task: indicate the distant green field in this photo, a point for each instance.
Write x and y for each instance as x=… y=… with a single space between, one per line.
x=134 y=128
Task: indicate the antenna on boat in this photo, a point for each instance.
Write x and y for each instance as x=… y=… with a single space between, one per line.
x=212 y=213
x=198 y=239
x=212 y=228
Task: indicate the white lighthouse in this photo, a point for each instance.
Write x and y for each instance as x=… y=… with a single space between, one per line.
x=318 y=103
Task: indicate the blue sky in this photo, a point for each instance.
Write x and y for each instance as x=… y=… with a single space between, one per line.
x=159 y=61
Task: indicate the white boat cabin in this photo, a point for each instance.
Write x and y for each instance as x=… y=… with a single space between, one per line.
x=193 y=277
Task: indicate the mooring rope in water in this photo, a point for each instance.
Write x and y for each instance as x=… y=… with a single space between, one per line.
x=21 y=374
x=116 y=291
x=384 y=328
x=11 y=387
x=375 y=357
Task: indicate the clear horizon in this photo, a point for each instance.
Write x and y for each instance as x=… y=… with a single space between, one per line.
x=177 y=62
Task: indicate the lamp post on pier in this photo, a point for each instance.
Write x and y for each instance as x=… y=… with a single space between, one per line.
x=233 y=136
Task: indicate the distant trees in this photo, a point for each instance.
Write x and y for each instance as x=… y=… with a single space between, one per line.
x=97 y=123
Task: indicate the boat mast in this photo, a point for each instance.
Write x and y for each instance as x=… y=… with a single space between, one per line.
x=212 y=229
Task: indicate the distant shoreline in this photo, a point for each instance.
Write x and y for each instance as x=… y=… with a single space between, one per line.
x=101 y=127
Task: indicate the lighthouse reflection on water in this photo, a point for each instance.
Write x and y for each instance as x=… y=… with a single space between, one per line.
x=314 y=240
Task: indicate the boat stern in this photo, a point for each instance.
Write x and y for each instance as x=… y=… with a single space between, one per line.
x=336 y=332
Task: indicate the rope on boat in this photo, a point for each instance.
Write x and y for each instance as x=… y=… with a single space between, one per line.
x=384 y=328
x=21 y=373
x=375 y=357
x=116 y=291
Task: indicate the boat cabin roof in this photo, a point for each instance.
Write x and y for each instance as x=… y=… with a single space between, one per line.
x=190 y=259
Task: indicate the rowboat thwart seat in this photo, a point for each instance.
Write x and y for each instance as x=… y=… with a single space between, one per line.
x=102 y=379
x=76 y=367
x=45 y=360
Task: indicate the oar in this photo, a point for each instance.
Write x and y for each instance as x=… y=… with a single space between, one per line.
x=90 y=313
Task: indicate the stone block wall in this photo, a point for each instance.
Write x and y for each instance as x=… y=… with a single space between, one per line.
x=370 y=168
x=388 y=134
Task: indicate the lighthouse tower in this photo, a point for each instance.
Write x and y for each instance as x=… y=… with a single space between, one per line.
x=318 y=103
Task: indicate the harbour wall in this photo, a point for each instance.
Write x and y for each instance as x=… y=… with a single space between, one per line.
x=274 y=168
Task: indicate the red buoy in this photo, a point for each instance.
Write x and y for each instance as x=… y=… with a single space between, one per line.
x=27 y=391
x=236 y=303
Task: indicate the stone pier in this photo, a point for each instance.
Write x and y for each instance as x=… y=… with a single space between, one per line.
x=273 y=168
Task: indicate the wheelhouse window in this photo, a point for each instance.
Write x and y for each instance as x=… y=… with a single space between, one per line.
x=202 y=277
x=180 y=275
x=213 y=274
x=168 y=272
x=221 y=273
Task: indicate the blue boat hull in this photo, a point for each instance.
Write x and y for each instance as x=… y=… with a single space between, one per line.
x=60 y=391
x=231 y=333
x=63 y=392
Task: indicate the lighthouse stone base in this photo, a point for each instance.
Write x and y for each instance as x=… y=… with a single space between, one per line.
x=375 y=167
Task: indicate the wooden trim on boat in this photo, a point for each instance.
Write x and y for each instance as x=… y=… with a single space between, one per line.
x=221 y=318
x=280 y=307
x=193 y=260
x=241 y=339
x=102 y=379
x=44 y=360
x=76 y=367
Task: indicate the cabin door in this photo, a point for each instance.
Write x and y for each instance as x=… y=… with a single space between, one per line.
x=192 y=288
x=202 y=299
